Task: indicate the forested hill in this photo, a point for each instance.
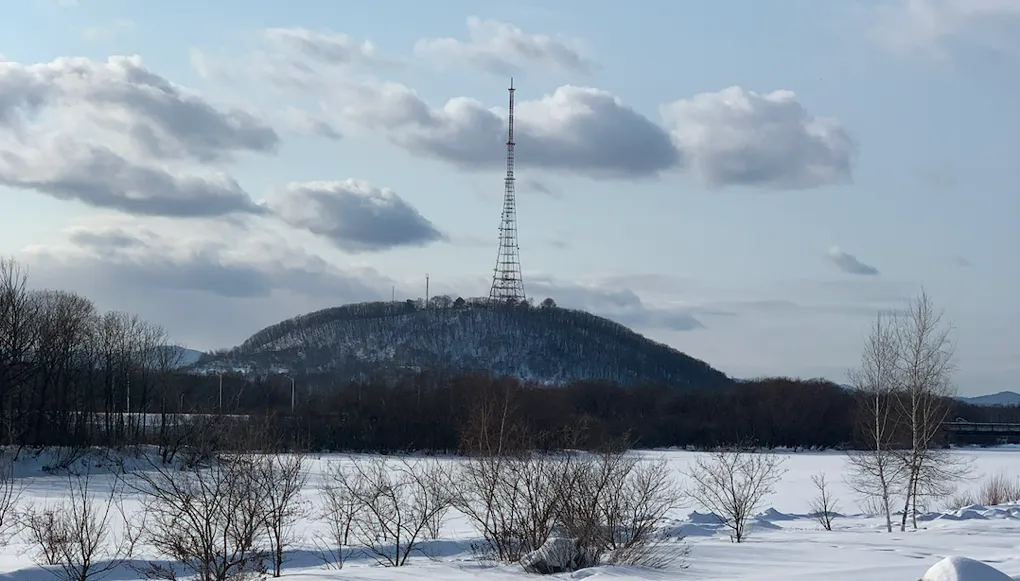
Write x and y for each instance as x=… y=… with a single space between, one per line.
x=545 y=344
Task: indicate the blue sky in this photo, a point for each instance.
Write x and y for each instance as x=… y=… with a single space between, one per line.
x=748 y=181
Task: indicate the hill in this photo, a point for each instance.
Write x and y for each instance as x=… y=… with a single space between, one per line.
x=1001 y=398
x=549 y=345
x=185 y=356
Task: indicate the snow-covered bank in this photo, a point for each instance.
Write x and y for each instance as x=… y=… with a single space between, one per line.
x=786 y=542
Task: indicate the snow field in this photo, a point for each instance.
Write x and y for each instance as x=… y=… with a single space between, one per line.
x=785 y=543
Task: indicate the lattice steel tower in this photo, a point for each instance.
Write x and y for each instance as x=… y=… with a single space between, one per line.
x=507 y=286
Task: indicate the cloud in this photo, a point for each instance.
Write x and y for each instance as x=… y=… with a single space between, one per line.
x=731 y=137
x=613 y=302
x=936 y=28
x=354 y=215
x=297 y=58
x=739 y=137
x=155 y=137
x=123 y=96
x=961 y=261
x=306 y=123
x=529 y=185
x=109 y=32
x=574 y=129
x=324 y=47
x=100 y=177
x=500 y=48
x=210 y=286
x=849 y=263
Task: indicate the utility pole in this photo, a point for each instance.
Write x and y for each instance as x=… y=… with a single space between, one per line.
x=221 y=393
x=426 y=290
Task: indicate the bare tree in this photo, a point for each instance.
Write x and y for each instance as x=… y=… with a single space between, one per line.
x=395 y=504
x=281 y=477
x=211 y=520
x=18 y=337
x=925 y=366
x=876 y=472
x=824 y=505
x=75 y=538
x=732 y=485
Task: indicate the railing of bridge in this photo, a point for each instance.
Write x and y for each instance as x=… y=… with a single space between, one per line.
x=983 y=427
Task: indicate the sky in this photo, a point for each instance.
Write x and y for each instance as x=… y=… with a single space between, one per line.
x=750 y=182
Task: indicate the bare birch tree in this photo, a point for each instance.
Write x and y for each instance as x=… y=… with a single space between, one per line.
x=925 y=368
x=876 y=472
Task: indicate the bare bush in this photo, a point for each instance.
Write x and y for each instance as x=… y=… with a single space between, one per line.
x=10 y=500
x=47 y=533
x=339 y=505
x=994 y=491
x=732 y=485
x=511 y=500
x=824 y=505
x=395 y=502
x=281 y=479
x=75 y=538
x=611 y=504
x=210 y=520
x=614 y=505
x=959 y=499
x=1000 y=489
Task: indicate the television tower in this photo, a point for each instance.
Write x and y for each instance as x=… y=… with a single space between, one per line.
x=507 y=286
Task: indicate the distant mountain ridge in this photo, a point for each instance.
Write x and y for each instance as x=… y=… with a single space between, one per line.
x=1001 y=398
x=547 y=344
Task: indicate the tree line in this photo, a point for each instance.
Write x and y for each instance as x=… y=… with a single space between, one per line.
x=74 y=376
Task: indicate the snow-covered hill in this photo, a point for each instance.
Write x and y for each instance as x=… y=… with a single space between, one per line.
x=186 y=356
x=550 y=345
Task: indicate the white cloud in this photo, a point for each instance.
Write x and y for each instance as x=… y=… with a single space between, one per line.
x=324 y=47
x=739 y=137
x=849 y=263
x=100 y=177
x=504 y=49
x=936 y=27
x=211 y=284
x=352 y=214
x=732 y=137
x=156 y=137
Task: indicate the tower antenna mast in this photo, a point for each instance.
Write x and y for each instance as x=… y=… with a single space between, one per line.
x=507 y=286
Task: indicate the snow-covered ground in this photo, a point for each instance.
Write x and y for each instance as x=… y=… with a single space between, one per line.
x=785 y=543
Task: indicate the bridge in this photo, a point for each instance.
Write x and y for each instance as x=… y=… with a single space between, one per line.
x=987 y=433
